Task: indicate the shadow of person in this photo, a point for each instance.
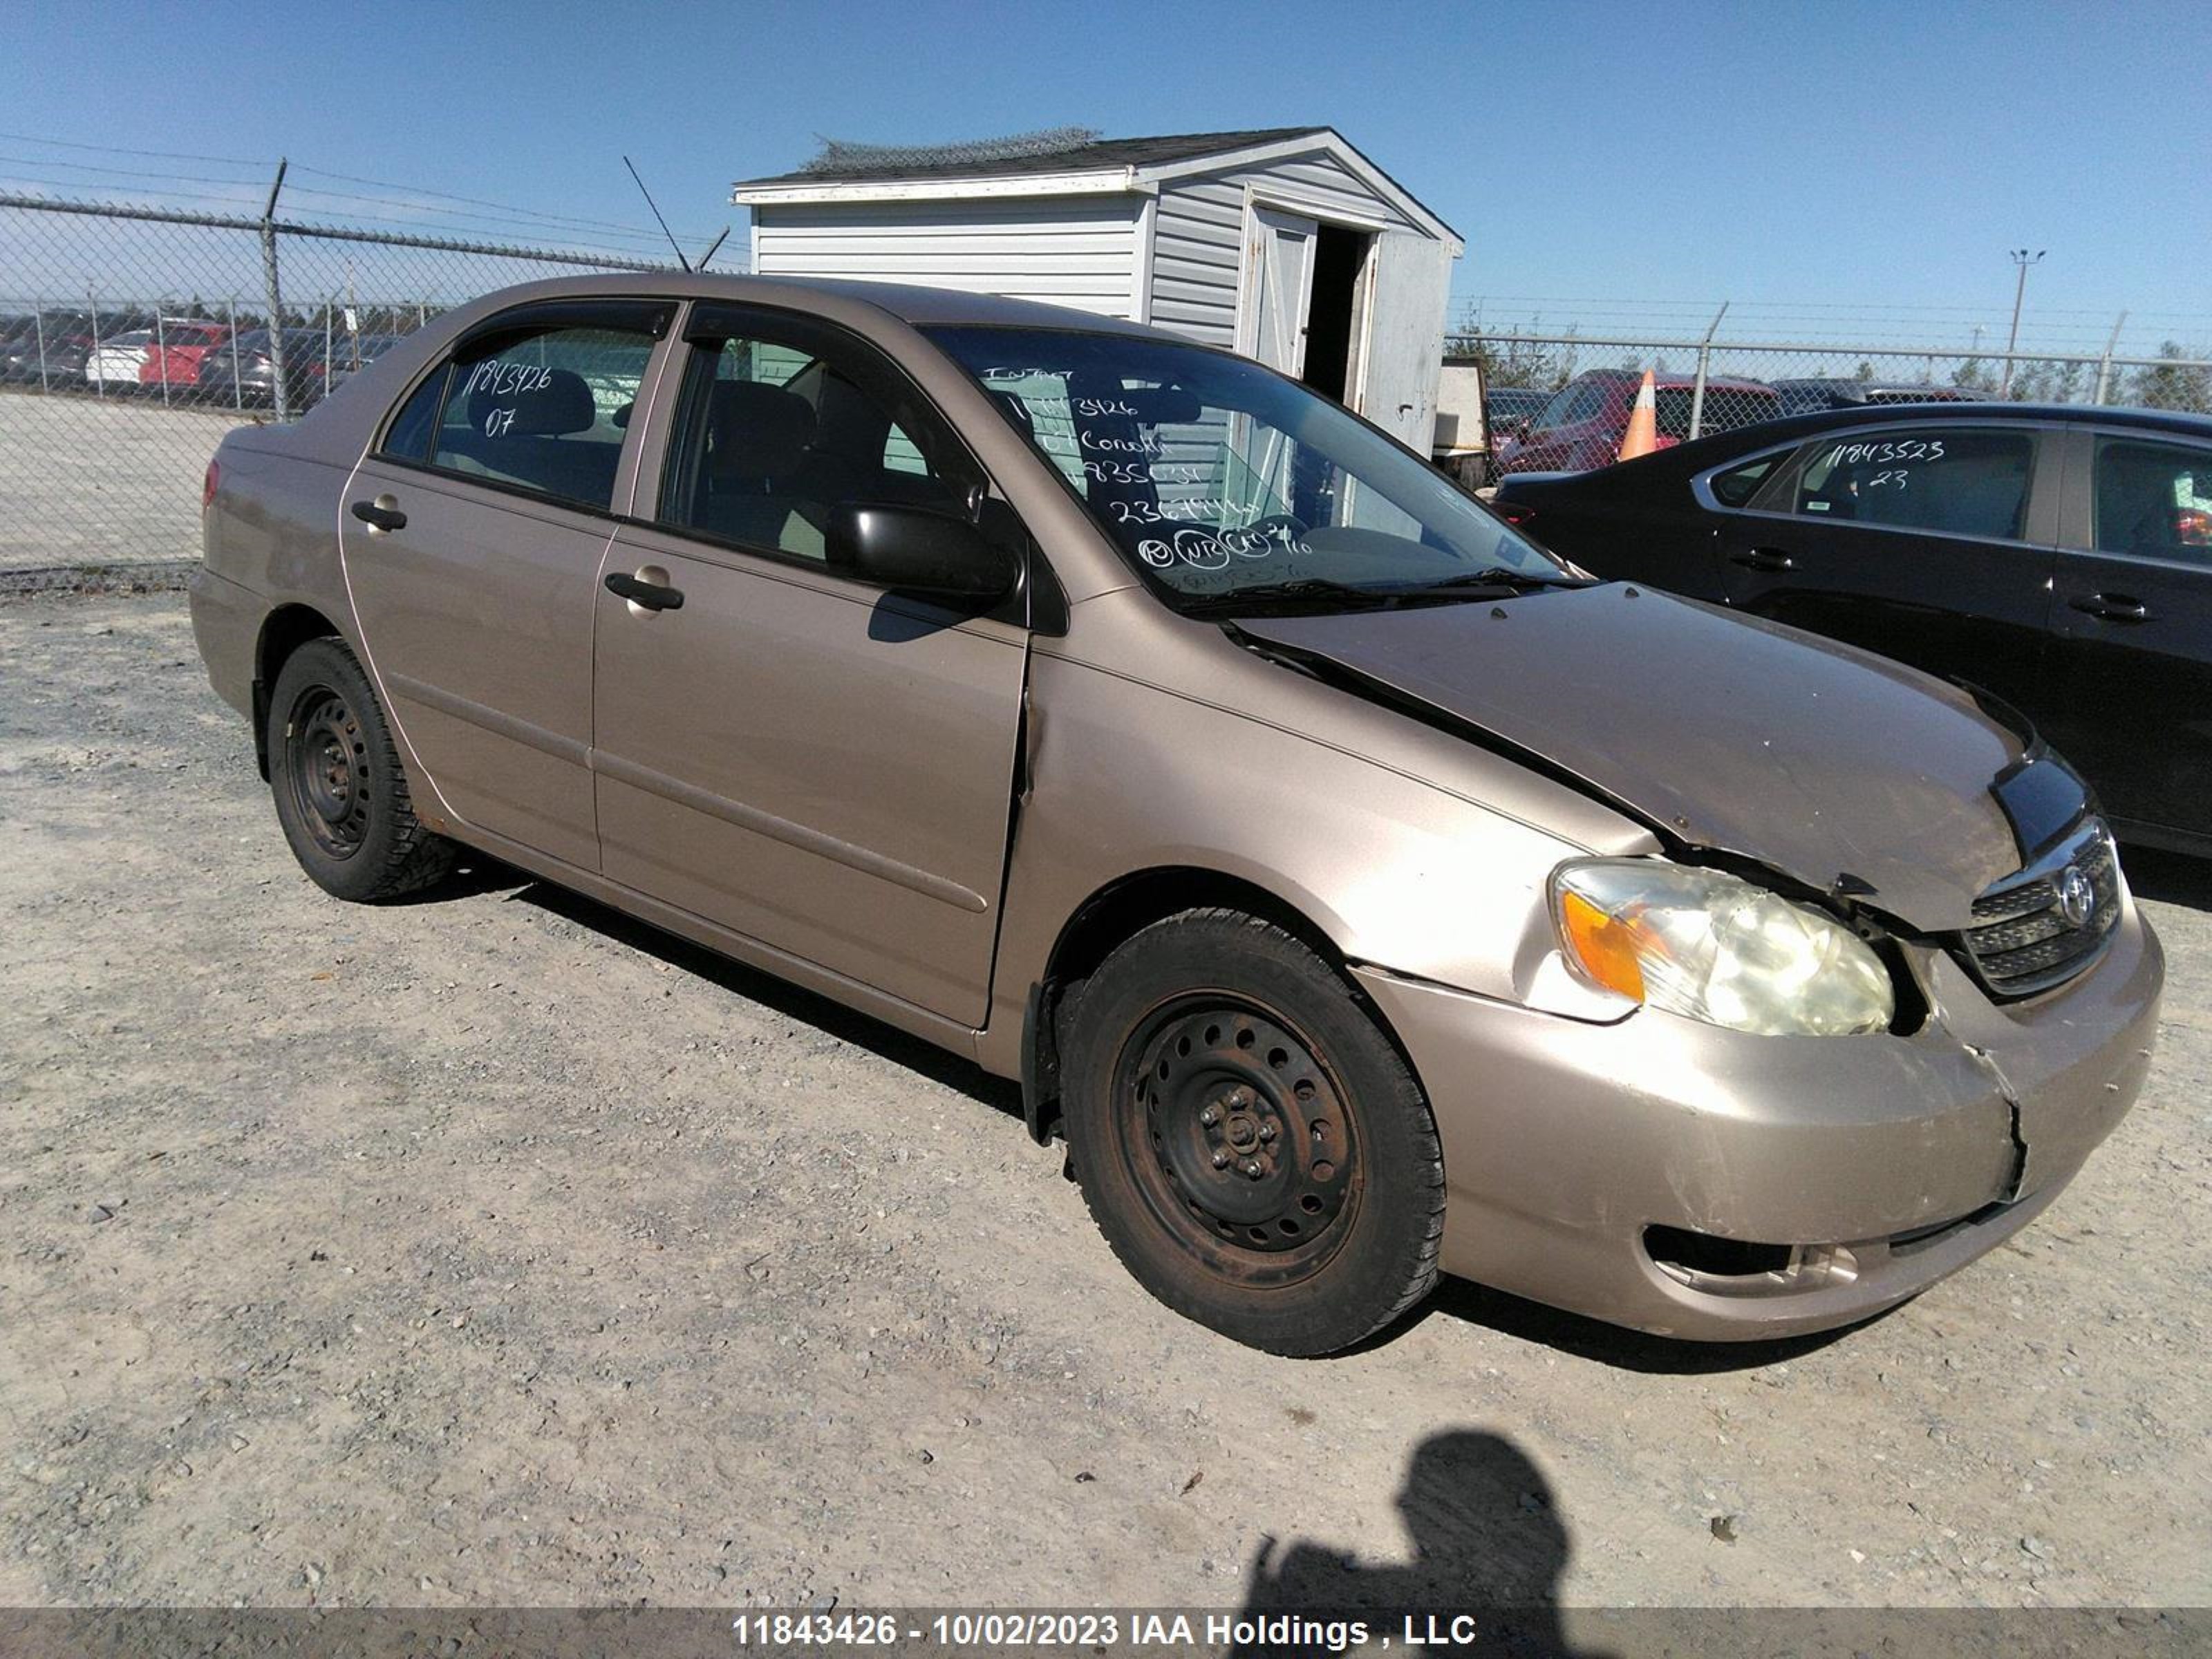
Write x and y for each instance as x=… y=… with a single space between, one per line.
x=1487 y=1543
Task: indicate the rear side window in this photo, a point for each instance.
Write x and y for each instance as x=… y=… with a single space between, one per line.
x=1727 y=408
x=1950 y=480
x=408 y=437
x=1737 y=486
x=1583 y=400
x=544 y=411
x=2154 y=499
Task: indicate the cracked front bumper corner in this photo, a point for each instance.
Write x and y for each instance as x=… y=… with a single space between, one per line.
x=1611 y=1169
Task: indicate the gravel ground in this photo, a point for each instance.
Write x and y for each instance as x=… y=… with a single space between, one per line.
x=493 y=1249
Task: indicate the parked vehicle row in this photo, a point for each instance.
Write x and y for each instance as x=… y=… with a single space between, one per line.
x=1360 y=890
x=1582 y=425
x=190 y=359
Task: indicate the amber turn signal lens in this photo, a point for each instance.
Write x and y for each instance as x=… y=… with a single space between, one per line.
x=209 y=484
x=1605 y=947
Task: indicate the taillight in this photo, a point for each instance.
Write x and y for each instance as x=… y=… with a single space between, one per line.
x=209 y=484
x=1514 y=513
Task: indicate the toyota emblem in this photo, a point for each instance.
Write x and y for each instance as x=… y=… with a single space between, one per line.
x=2077 y=899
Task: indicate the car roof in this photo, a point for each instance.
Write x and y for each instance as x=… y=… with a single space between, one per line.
x=921 y=307
x=1715 y=448
x=1672 y=377
x=2168 y=420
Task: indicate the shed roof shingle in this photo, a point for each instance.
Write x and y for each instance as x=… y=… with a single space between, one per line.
x=1099 y=156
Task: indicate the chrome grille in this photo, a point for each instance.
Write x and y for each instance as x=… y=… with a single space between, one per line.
x=2024 y=940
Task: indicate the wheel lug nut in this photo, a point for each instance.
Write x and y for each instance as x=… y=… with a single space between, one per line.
x=1252 y=1168
x=1209 y=1117
x=1221 y=1160
x=1266 y=1132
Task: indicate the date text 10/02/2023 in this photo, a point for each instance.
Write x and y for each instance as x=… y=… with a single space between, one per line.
x=1165 y=1630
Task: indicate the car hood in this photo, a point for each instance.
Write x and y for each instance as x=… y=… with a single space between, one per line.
x=1835 y=768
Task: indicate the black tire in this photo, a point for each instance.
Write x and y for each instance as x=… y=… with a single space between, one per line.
x=340 y=792
x=1338 y=1232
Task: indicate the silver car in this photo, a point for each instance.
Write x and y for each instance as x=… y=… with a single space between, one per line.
x=1360 y=891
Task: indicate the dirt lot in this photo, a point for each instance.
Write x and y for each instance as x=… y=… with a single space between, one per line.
x=493 y=1250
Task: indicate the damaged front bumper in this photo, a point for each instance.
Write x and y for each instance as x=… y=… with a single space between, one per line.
x=1710 y=1184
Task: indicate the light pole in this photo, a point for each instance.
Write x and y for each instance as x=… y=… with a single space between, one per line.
x=2023 y=259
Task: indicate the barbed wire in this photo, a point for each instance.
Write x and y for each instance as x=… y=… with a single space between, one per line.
x=423 y=208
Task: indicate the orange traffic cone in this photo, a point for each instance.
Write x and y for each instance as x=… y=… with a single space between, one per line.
x=1643 y=435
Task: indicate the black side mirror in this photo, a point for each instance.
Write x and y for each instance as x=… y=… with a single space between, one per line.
x=914 y=549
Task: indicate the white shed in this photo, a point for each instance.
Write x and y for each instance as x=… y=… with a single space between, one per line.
x=1287 y=244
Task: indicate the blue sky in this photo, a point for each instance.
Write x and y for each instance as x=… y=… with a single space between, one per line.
x=1802 y=162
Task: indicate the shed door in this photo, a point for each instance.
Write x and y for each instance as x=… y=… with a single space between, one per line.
x=1281 y=258
x=1405 y=351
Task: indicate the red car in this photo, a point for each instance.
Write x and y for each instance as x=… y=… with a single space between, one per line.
x=174 y=357
x=1583 y=424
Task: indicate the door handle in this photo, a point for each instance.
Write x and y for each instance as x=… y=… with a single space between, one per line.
x=2111 y=607
x=650 y=595
x=380 y=518
x=1763 y=558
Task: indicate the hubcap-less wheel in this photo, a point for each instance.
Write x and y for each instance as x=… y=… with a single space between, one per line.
x=1247 y=1138
x=327 y=757
x=1238 y=1138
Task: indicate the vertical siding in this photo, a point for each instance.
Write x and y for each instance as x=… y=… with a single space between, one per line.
x=1077 y=251
x=1198 y=238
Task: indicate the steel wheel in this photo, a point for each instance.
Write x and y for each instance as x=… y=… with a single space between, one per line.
x=340 y=791
x=326 y=761
x=1239 y=1142
x=1247 y=1138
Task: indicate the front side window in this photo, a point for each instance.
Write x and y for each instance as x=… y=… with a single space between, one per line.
x=541 y=410
x=782 y=423
x=2154 y=499
x=1227 y=485
x=1954 y=481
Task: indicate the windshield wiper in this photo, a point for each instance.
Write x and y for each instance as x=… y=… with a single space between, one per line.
x=1497 y=577
x=1299 y=591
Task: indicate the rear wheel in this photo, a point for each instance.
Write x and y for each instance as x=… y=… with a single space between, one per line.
x=1252 y=1146
x=340 y=793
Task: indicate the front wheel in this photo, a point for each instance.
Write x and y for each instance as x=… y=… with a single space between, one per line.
x=1250 y=1143
x=340 y=793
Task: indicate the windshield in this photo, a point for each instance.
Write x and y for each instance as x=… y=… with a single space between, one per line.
x=1232 y=489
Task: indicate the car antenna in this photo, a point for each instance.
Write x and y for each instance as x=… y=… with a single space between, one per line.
x=664 y=230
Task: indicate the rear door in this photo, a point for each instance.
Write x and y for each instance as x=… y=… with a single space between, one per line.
x=471 y=538
x=2132 y=625
x=790 y=753
x=1932 y=543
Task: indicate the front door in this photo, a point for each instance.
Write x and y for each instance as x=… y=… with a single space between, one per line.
x=471 y=538
x=790 y=753
x=1930 y=543
x=2133 y=629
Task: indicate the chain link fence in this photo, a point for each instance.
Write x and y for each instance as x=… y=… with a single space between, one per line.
x=1575 y=392
x=132 y=338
